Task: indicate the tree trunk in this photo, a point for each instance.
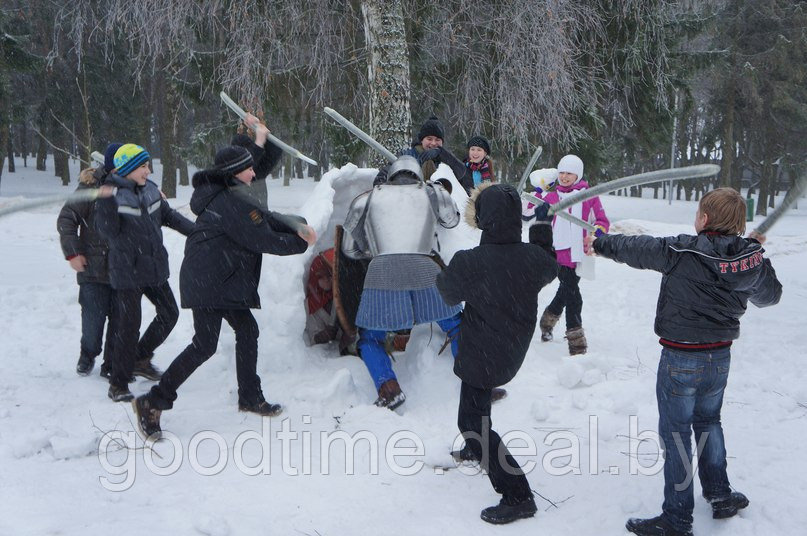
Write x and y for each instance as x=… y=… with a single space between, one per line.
x=182 y=164
x=166 y=130
x=388 y=74
x=24 y=142
x=85 y=147
x=727 y=173
x=3 y=136
x=42 y=146
x=9 y=145
x=60 y=161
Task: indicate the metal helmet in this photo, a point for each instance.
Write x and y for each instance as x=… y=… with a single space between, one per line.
x=405 y=164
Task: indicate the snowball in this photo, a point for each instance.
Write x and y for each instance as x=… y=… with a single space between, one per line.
x=539 y=410
x=570 y=374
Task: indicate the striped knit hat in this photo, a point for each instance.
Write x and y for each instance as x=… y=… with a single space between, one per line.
x=130 y=157
x=233 y=159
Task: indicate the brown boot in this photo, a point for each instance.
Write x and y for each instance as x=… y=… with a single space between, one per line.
x=547 y=322
x=497 y=393
x=390 y=395
x=577 y=341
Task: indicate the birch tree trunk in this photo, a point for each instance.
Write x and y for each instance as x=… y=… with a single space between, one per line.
x=388 y=75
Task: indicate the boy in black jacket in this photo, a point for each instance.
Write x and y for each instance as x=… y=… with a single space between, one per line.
x=497 y=326
x=219 y=280
x=131 y=221
x=87 y=253
x=707 y=282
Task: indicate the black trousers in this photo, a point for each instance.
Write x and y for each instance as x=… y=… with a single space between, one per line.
x=207 y=327
x=568 y=297
x=127 y=315
x=474 y=423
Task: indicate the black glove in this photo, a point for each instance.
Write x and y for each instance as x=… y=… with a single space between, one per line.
x=381 y=178
x=445 y=183
x=431 y=154
x=541 y=212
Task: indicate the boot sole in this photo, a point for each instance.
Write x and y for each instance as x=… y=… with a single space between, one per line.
x=495 y=521
x=273 y=414
x=729 y=512
x=156 y=436
x=151 y=377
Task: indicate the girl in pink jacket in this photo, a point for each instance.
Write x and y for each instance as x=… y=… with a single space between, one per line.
x=568 y=242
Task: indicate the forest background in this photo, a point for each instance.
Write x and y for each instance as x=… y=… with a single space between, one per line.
x=630 y=86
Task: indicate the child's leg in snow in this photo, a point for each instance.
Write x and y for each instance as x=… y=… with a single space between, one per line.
x=451 y=327
x=371 y=350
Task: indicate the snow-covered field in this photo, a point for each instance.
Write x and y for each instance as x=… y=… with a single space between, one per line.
x=71 y=463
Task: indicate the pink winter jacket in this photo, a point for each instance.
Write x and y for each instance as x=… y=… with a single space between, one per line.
x=590 y=206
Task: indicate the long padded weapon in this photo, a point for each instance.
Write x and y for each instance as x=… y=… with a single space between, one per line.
x=284 y=146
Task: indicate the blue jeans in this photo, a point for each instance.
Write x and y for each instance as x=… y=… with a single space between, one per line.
x=378 y=363
x=689 y=390
x=96 y=306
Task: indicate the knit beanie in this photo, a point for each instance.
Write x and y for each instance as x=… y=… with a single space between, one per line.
x=129 y=157
x=479 y=141
x=109 y=156
x=233 y=159
x=431 y=127
x=571 y=164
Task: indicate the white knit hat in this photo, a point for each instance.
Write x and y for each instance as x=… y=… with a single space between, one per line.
x=571 y=164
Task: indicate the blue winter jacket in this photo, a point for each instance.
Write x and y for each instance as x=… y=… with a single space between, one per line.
x=131 y=221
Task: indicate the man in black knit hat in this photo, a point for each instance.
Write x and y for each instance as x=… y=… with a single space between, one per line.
x=428 y=149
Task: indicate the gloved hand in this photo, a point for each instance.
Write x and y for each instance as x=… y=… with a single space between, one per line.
x=445 y=183
x=544 y=178
x=431 y=154
x=541 y=212
x=381 y=177
x=600 y=230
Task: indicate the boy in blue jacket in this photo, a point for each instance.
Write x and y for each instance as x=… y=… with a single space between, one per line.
x=707 y=281
x=131 y=221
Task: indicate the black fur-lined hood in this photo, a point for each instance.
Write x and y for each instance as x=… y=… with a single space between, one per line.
x=207 y=184
x=496 y=210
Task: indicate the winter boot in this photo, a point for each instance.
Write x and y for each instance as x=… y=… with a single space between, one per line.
x=147 y=417
x=725 y=508
x=106 y=370
x=509 y=510
x=262 y=408
x=145 y=369
x=390 y=395
x=657 y=526
x=577 y=341
x=547 y=323
x=497 y=393
x=85 y=364
x=465 y=454
x=120 y=394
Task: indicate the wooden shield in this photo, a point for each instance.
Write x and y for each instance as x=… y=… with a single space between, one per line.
x=348 y=283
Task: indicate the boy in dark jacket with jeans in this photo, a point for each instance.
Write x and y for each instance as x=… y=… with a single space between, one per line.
x=86 y=251
x=131 y=221
x=707 y=282
x=497 y=326
x=219 y=281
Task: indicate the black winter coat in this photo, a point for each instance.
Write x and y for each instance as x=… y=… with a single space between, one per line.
x=499 y=281
x=78 y=235
x=131 y=221
x=222 y=265
x=707 y=281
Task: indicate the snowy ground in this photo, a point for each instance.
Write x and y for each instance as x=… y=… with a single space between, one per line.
x=574 y=413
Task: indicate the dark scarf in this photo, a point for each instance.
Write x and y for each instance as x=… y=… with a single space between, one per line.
x=481 y=167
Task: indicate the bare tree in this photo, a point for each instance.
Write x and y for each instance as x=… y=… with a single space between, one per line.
x=388 y=73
